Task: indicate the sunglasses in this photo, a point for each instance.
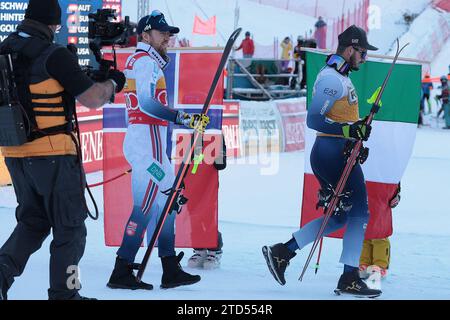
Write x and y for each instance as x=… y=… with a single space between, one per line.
x=363 y=53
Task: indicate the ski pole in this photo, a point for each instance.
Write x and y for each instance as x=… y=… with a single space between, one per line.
x=318 y=256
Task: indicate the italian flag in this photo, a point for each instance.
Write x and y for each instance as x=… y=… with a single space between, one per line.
x=390 y=143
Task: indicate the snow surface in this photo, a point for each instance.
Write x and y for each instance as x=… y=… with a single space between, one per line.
x=255 y=210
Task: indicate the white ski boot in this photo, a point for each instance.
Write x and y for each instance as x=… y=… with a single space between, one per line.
x=198 y=258
x=212 y=260
x=375 y=274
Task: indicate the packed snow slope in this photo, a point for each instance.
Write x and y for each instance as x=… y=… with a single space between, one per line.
x=260 y=209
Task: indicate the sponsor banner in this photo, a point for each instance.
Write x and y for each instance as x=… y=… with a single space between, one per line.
x=272 y=126
x=259 y=126
x=293 y=117
x=230 y=127
x=91 y=133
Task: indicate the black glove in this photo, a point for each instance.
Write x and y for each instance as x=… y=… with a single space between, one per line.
x=358 y=130
x=118 y=77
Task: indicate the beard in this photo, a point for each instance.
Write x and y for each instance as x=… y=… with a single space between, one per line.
x=163 y=52
x=353 y=62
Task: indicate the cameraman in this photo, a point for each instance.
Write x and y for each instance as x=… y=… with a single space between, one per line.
x=46 y=172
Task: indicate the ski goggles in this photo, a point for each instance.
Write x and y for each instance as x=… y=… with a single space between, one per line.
x=363 y=53
x=339 y=63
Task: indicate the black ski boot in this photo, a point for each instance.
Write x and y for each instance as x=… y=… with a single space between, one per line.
x=123 y=277
x=350 y=283
x=277 y=258
x=173 y=275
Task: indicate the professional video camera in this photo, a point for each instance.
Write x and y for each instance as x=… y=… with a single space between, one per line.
x=104 y=32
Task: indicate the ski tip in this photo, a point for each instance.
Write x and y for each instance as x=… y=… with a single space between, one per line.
x=236 y=33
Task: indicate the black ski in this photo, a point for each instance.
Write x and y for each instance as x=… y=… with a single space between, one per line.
x=187 y=157
x=353 y=157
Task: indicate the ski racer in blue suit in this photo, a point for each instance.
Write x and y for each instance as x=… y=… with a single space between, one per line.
x=334 y=114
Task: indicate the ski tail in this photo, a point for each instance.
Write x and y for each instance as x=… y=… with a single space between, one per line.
x=187 y=157
x=351 y=161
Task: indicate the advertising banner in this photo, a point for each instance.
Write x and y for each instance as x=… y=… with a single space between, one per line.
x=230 y=127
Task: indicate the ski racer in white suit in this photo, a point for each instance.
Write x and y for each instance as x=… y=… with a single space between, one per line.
x=145 y=149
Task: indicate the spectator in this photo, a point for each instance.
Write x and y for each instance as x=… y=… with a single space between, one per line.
x=376 y=253
x=426 y=88
x=298 y=61
x=286 y=52
x=321 y=33
x=209 y=258
x=247 y=46
x=444 y=97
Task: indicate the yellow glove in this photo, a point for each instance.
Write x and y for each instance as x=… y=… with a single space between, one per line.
x=196 y=121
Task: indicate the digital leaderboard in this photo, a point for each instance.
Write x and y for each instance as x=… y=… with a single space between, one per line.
x=74 y=22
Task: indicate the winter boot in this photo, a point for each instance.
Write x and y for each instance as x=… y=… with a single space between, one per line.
x=173 y=275
x=123 y=277
x=277 y=258
x=197 y=259
x=351 y=283
x=212 y=260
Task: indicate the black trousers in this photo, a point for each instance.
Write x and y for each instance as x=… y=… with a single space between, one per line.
x=50 y=198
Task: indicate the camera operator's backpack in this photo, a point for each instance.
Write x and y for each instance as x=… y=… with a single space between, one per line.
x=22 y=52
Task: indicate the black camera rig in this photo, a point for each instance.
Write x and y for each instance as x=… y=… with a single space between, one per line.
x=104 y=32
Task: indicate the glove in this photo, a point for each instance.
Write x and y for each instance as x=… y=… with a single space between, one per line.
x=358 y=130
x=196 y=121
x=118 y=77
x=395 y=200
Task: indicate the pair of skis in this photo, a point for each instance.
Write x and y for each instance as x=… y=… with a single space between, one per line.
x=187 y=157
x=351 y=161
